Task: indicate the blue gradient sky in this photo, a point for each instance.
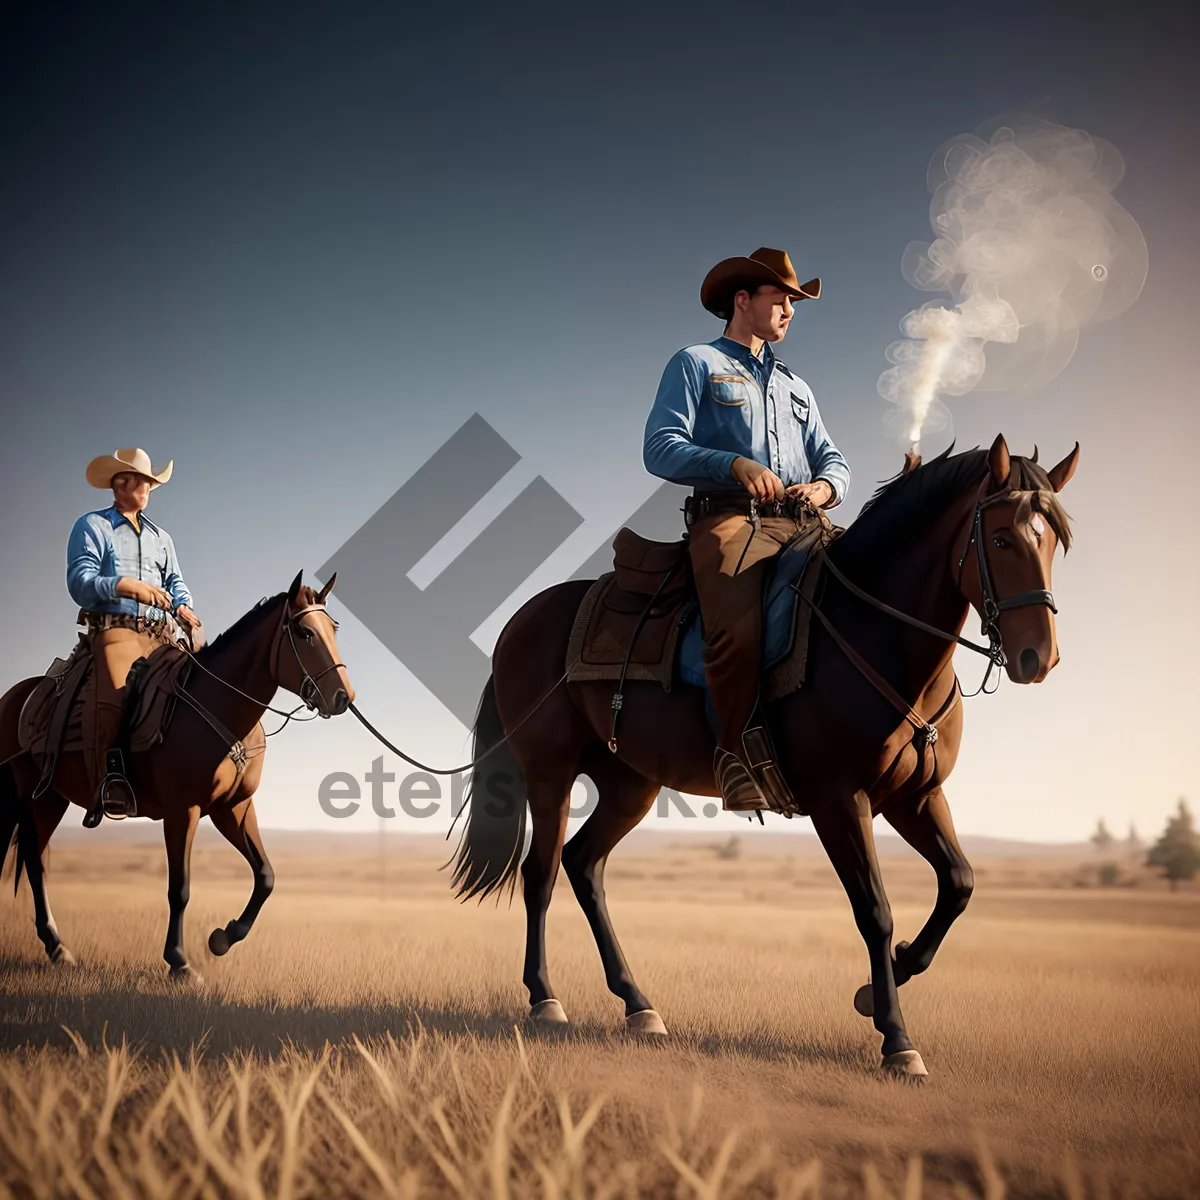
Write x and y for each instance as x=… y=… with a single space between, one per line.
x=296 y=247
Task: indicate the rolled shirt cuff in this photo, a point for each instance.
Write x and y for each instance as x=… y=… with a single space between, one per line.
x=105 y=587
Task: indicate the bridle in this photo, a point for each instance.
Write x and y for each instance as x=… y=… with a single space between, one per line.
x=992 y=608
x=310 y=685
x=310 y=688
x=926 y=731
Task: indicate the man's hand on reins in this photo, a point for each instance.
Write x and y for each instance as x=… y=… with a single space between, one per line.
x=818 y=493
x=189 y=618
x=761 y=482
x=143 y=593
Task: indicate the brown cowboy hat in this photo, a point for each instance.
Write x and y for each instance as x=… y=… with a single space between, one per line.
x=765 y=265
x=100 y=471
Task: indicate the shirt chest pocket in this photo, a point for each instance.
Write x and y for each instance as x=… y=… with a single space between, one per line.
x=730 y=390
x=800 y=408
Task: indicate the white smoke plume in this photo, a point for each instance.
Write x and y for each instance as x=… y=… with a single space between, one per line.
x=1031 y=245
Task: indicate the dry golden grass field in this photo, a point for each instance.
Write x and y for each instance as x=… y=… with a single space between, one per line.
x=369 y=1039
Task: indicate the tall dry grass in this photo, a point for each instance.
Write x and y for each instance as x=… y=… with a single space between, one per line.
x=367 y=1040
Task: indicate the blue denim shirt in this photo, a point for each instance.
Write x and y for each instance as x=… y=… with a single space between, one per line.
x=717 y=402
x=104 y=545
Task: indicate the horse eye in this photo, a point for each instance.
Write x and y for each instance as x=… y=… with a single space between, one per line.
x=1000 y=541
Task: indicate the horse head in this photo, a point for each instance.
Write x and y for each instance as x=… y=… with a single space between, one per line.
x=310 y=631
x=1004 y=569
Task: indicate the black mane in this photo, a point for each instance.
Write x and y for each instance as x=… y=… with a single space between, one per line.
x=913 y=498
x=242 y=624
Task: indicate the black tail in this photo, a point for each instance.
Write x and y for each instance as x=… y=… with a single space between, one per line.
x=10 y=819
x=493 y=839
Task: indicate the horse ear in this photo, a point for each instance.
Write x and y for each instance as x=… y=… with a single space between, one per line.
x=999 y=462
x=327 y=588
x=1033 y=458
x=294 y=590
x=912 y=460
x=1060 y=475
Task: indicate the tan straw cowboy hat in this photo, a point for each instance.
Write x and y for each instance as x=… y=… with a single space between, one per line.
x=100 y=471
x=765 y=265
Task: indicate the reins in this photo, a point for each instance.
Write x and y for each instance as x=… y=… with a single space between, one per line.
x=926 y=732
x=465 y=766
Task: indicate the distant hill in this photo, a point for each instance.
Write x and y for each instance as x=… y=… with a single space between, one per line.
x=755 y=840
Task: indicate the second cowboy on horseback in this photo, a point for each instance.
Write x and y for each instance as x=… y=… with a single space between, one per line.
x=123 y=572
x=733 y=422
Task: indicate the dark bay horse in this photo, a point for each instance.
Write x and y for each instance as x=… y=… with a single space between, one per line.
x=284 y=641
x=977 y=529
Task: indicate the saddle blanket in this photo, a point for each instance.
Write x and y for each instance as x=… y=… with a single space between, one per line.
x=669 y=642
x=785 y=631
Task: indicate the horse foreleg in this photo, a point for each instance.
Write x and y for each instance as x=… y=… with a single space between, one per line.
x=624 y=799
x=239 y=826
x=548 y=803
x=846 y=833
x=179 y=828
x=929 y=829
x=34 y=831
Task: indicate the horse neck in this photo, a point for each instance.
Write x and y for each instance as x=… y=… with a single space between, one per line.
x=916 y=578
x=244 y=662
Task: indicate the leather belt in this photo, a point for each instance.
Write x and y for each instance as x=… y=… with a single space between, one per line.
x=701 y=504
x=97 y=621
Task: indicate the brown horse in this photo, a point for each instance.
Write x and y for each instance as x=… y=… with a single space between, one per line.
x=974 y=529
x=284 y=641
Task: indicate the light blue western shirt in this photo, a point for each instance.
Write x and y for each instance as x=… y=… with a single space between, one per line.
x=104 y=545
x=717 y=402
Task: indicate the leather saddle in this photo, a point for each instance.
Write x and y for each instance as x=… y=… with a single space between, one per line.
x=629 y=621
x=640 y=621
x=54 y=718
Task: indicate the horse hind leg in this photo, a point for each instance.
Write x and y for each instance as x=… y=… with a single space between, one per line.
x=238 y=824
x=624 y=798
x=549 y=800
x=31 y=824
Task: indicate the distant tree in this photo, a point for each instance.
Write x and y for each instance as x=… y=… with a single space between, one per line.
x=1102 y=839
x=1177 y=851
x=731 y=849
x=1133 y=843
x=1109 y=874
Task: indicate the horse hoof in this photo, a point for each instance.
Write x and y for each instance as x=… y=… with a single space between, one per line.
x=62 y=957
x=904 y=1064
x=187 y=975
x=864 y=1001
x=548 y=1012
x=218 y=942
x=647 y=1024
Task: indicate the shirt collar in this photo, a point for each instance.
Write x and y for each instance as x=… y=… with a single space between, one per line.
x=115 y=517
x=742 y=353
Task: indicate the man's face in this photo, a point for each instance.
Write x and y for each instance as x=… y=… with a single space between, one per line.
x=131 y=491
x=770 y=311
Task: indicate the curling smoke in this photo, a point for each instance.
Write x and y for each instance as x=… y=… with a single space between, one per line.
x=1032 y=246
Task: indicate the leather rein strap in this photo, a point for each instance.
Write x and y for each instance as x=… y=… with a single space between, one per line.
x=926 y=731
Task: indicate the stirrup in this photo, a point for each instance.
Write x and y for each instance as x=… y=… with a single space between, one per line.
x=116 y=798
x=760 y=755
x=739 y=792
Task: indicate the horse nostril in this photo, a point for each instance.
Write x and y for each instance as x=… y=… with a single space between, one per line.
x=1030 y=664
